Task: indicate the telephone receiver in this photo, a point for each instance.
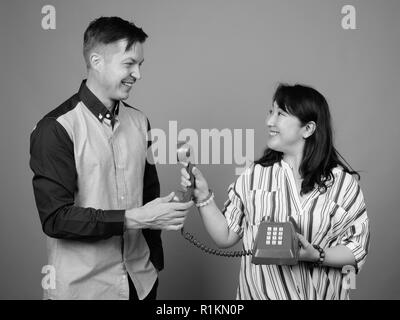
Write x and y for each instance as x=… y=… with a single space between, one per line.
x=276 y=242
x=185 y=156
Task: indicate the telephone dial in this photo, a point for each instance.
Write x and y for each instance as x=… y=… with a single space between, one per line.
x=276 y=242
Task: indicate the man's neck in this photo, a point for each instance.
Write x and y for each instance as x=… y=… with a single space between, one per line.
x=94 y=87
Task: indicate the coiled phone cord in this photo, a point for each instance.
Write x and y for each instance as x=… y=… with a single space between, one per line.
x=189 y=237
x=183 y=154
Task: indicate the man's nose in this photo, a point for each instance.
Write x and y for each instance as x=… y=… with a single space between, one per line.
x=136 y=73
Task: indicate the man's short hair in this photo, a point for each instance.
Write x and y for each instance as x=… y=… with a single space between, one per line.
x=106 y=30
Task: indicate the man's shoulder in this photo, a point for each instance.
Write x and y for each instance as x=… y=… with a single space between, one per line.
x=49 y=121
x=137 y=113
x=65 y=107
x=133 y=109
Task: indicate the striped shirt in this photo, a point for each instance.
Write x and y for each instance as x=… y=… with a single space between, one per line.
x=336 y=217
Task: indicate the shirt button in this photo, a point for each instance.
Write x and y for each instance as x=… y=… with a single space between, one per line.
x=122 y=198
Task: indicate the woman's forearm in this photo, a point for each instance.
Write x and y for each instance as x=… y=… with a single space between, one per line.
x=338 y=257
x=217 y=226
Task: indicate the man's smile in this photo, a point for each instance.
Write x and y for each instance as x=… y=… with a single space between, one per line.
x=128 y=83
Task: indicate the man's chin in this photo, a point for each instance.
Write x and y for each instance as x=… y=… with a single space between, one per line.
x=123 y=96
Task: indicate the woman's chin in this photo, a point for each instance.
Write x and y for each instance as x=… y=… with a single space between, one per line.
x=273 y=146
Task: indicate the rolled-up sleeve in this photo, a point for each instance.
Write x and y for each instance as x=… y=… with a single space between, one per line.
x=54 y=185
x=234 y=208
x=356 y=234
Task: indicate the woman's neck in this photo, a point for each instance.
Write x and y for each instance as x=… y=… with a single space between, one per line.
x=294 y=161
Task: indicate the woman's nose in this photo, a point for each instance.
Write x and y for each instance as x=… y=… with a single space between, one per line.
x=270 y=120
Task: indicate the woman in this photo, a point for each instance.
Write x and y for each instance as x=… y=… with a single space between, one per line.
x=299 y=178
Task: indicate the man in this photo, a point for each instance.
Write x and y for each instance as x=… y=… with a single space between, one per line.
x=96 y=193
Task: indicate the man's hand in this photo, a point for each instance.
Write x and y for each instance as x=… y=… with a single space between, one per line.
x=307 y=252
x=160 y=213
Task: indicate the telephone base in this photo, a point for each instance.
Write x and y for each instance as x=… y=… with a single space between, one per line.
x=276 y=243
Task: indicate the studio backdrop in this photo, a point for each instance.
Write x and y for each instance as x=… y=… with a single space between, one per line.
x=210 y=71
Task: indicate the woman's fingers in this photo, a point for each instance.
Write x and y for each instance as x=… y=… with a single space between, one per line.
x=185 y=182
x=184 y=173
x=304 y=243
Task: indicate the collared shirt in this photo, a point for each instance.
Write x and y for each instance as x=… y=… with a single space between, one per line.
x=336 y=217
x=90 y=166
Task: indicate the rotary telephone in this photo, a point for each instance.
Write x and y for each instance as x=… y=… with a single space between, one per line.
x=276 y=242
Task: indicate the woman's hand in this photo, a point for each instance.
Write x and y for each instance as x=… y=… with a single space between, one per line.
x=307 y=252
x=201 y=186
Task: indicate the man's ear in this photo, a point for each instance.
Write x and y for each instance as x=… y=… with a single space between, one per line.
x=96 y=60
x=309 y=129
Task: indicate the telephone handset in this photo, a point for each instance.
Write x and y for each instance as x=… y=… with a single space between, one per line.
x=276 y=242
x=185 y=156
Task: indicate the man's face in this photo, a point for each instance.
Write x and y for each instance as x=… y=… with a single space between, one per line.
x=120 y=69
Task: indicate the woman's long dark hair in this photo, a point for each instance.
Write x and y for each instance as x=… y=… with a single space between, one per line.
x=319 y=154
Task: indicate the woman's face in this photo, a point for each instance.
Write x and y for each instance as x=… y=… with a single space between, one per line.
x=285 y=132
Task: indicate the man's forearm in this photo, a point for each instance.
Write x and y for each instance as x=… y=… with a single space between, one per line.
x=84 y=224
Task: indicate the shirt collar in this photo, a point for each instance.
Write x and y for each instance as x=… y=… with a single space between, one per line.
x=95 y=105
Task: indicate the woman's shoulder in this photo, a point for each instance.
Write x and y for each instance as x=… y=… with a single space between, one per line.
x=257 y=176
x=258 y=169
x=343 y=177
x=344 y=184
x=257 y=166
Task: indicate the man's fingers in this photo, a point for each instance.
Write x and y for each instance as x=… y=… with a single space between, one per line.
x=173 y=213
x=176 y=206
x=182 y=205
x=174 y=228
x=173 y=224
x=167 y=198
x=178 y=221
x=178 y=214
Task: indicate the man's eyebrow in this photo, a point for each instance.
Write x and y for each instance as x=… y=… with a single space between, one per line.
x=133 y=60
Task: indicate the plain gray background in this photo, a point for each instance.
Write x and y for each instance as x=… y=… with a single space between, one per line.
x=209 y=64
